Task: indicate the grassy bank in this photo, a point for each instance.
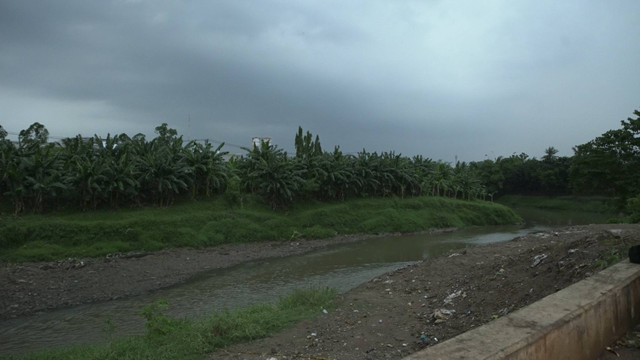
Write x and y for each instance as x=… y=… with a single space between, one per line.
x=168 y=338
x=562 y=210
x=225 y=220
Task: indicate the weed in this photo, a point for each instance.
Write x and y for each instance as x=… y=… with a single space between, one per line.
x=169 y=338
x=157 y=322
x=613 y=255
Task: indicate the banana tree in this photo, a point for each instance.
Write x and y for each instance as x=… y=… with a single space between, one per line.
x=266 y=171
x=210 y=171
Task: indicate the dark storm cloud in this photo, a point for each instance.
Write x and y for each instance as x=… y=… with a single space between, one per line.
x=433 y=78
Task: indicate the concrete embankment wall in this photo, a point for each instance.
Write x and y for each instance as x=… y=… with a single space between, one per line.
x=577 y=322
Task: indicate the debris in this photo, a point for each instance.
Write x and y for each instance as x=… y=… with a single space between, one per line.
x=442 y=315
x=571 y=251
x=538 y=259
x=455 y=294
x=454 y=254
x=325 y=311
x=613 y=351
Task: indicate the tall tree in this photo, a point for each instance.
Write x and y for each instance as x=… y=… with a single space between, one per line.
x=610 y=163
x=550 y=154
x=306 y=147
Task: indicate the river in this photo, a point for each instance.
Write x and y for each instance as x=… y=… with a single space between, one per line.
x=341 y=267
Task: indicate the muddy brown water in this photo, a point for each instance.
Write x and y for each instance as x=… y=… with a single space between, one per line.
x=341 y=267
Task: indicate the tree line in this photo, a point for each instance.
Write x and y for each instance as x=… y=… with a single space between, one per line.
x=122 y=171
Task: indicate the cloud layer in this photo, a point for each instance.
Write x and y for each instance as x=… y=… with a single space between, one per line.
x=442 y=79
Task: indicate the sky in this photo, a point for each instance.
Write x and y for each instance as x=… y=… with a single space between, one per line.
x=449 y=80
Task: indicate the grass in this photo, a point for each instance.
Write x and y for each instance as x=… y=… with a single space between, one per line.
x=217 y=221
x=616 y=252
x=168 y=338
x=562 y=210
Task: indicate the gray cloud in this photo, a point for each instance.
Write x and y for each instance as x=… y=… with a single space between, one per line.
x=465 y=79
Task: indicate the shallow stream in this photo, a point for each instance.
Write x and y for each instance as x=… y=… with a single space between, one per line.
x=341 y=267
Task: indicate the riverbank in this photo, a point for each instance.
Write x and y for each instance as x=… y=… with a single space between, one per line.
x=32 y=287
x=406 y=310
x=421 y=305
x=211 y=222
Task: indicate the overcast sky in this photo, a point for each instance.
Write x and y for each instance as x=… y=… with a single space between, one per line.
x=472 y=79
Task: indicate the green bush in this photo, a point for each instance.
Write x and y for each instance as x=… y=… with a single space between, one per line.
x=633 y=207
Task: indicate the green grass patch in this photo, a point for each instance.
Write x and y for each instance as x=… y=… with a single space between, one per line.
x=213 y=222
x=168 y=338
x=562 y=210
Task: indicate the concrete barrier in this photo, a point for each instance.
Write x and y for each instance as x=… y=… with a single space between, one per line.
x=577 y=322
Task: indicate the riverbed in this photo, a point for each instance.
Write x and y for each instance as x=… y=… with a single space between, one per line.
x=342 y=266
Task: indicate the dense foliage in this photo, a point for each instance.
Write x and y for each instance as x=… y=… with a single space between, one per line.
x=114 y=171
x=610 y=163
x=117 y=171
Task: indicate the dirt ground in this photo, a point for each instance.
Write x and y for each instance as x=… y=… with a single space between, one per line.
x=386 y=318
x=421 y=305
x=31 y=287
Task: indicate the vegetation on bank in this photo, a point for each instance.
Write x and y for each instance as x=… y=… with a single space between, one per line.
x=142 y=195
x=168 y=338
x=564 y=210
x=230 y=220
x=121 y=171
